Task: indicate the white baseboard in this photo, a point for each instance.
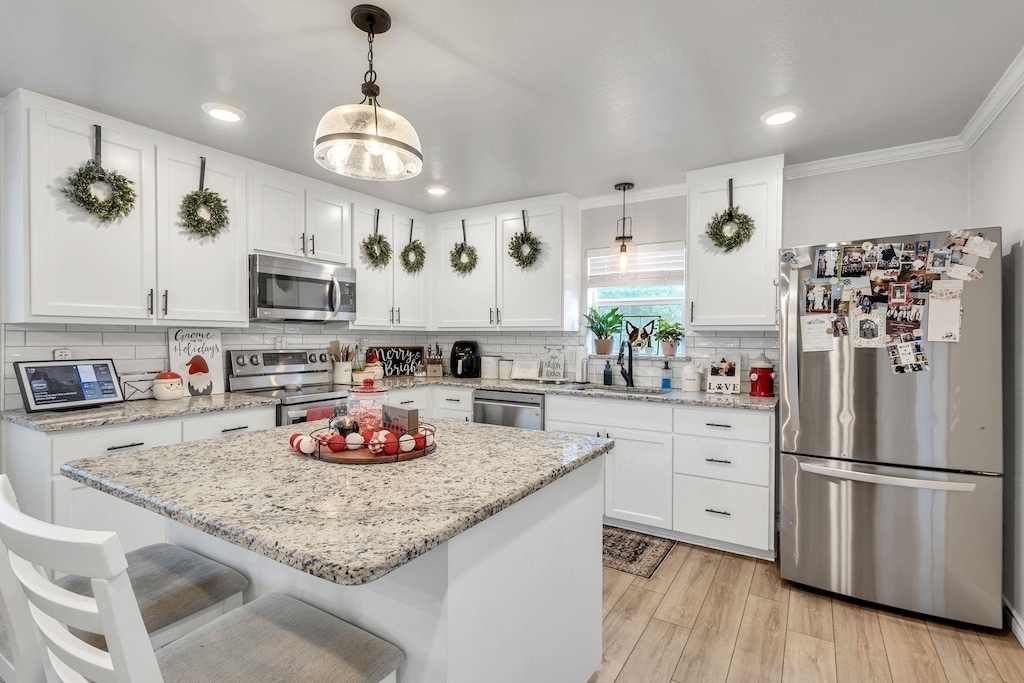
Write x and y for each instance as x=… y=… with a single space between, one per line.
x=759 y=553
x=1016 y=622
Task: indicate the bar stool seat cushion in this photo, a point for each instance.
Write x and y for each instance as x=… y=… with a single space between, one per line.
x=278 y=638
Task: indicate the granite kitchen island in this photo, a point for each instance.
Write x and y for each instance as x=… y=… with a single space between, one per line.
x=482 y=561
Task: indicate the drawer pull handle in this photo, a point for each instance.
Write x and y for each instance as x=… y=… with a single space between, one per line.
x=127 y=445
x=234 y=429
x=724 y=462
x=454 y=400
x=717 y=512
x=405 y=403
x=715 y=424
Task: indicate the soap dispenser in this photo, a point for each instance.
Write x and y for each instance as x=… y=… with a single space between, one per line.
x=666 y=376
x=608 y=372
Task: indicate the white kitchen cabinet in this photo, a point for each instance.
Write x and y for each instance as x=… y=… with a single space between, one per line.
x=468 y=301
x=453 y=403
x=388 y=297
x=277 y=216
x=739 y=289
x=78 y=266
x=200 y=278
x=32 y=460
x=328 y=227
x=413 y=397
x=409 y=290
x=531 y=297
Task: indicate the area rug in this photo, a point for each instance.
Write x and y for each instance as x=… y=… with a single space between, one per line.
x=634 y=553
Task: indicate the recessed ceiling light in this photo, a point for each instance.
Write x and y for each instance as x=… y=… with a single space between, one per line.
x=224 y=112
x=777 y=117
x=437 y=190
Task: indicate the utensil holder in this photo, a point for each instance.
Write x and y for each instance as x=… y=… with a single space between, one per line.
x=341 y=373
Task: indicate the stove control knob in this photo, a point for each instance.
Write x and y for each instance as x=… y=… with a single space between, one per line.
x=254 y=359
x=240 y=360
x=312 y=358
x=323 y=357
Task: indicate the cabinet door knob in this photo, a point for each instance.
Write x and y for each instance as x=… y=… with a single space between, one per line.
x=718 y=512
x=165 y=301
x=127 y=445
x=234 y=429
x=499 y=316
x=716 y=424
x=392 y=316
x=492 y=315
x=303 y=243
x=152 y=296
x=312 y=244
x=399 y=320
x=724 y=462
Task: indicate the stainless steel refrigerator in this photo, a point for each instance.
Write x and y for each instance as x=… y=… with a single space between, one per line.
x=891 y=484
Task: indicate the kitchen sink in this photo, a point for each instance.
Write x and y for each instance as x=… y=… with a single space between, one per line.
x=647 y=391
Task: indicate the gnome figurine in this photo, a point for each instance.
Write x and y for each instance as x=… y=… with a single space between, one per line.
x=199 y=381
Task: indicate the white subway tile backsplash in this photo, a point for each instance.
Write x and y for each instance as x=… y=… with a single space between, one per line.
x=135 y=338
x=151 y=352
x=61 y=338
x=14 y=338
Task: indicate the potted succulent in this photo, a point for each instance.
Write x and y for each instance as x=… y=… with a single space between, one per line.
x=604 y=326
x=669 y=334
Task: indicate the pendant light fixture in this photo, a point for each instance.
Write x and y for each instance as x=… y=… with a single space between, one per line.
x=367 y=141
x=623 y=228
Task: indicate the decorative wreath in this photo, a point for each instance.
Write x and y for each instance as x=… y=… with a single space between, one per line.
x=377 y=250
x=524 y=248
x=413 y=256
x=122 y=194
x=194 y=222
x=463 y=258
x=744 y=228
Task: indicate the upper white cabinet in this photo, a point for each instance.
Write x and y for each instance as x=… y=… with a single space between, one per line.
x=388 y=297
x=291 y=220
x=63 y=265
x=468 y=301
x=738 y=289
x=531 y=297
x=278 y=216
x=499 y=293
x=200 y=278
x=78 y=266
x=328 y=227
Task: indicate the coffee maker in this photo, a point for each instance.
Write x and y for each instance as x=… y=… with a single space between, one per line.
x=465 y=359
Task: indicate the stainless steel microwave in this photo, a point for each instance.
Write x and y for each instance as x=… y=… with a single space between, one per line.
x=282 y=288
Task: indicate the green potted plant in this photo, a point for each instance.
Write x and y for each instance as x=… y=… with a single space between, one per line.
x=669 y=334
x=604 y=326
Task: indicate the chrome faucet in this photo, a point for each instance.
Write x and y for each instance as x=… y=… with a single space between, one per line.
x=626 y=374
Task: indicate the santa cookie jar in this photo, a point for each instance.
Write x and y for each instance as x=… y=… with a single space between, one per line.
x=200 y=383
x=762 y=377
x=168 y=386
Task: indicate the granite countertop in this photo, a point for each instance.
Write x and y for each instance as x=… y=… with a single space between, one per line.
x=350 y=524
x=133 y=411
x=674 y=396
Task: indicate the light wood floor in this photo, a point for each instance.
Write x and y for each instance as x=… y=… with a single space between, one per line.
x=711 y=616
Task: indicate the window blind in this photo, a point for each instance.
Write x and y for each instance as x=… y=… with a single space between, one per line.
x=646 y=264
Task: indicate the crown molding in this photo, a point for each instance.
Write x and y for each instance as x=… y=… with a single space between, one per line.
x=633 y=196
x=889 y=155
x=1004 y=90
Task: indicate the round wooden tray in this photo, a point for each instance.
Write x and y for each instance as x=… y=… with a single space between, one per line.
x=363 y=456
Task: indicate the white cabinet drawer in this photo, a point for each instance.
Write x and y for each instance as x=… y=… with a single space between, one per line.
x=643 y=415
x=449 y=399
x=82 y=443
x=740 y=461
x=410 y=398
x=460 y=415
x=722 y=511
x=729 y=423
x=228 y=422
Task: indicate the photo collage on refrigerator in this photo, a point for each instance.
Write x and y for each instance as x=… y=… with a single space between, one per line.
x=896 y=295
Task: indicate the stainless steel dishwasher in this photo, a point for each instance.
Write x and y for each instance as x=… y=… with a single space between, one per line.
x=509 y=408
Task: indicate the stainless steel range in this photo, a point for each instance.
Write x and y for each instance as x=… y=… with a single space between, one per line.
x=299 y=379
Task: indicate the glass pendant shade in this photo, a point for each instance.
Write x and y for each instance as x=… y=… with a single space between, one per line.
x=352 y=141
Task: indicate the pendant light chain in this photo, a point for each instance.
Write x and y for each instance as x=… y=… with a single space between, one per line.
x=371 y=77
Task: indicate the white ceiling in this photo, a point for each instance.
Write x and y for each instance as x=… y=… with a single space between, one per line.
x=515 y=98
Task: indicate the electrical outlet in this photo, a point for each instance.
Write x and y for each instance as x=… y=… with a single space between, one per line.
x=61 y=354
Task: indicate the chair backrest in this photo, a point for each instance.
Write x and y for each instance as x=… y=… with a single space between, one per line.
x=22 y=636
x=112 y=613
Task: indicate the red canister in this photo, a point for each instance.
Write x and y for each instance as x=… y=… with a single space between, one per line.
x=762 y=377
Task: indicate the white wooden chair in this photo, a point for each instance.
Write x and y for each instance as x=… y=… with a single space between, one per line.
x=275 y=638
x=177 y=590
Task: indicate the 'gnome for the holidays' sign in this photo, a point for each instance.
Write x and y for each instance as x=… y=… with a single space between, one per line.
x=198 y=356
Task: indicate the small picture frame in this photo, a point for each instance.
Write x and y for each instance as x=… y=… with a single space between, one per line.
x=723 y=375
x=899 y=293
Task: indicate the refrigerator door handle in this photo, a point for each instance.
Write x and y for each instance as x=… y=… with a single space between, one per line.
x=867 y=477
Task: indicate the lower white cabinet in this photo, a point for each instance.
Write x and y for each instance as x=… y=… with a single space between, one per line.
x=413 y=397
x=701 y=475
x=32 y=460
